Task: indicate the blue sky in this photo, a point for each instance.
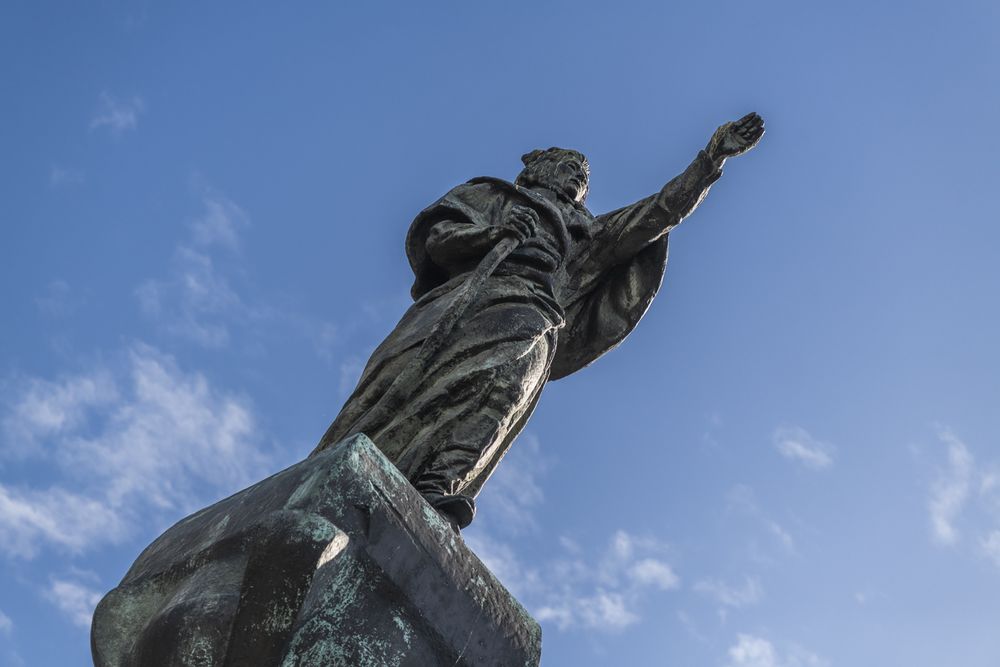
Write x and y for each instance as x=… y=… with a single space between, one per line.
x=792 y=462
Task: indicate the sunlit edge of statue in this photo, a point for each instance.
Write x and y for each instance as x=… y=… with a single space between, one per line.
x=515 y=284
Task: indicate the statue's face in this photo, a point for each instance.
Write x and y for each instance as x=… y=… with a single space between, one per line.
x=570 y=178
x=559 y=170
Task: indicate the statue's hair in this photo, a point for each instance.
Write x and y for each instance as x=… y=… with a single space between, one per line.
x=528 y=159
x=534 y=163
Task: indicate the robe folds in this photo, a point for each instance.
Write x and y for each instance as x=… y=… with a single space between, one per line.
x=558 y=302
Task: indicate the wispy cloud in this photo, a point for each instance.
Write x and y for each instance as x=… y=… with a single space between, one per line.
x=116 y=114
x=133 y=443
x=64 y=176
x=754 y=651
x=75 y=599
x=796 y=444
x=513 y=494
x=197 y=301
x=55 y=516
x=742 y=499
x=602 y=591
x=963 y=504
x=950 y=491
x=6 y=625
x=349 y=371
x=220 y=223
x=206 y=297
x=731 y=596
x=605 y=593
x=991 y=546
x=39 y=409
x=59 y=299
x=655 y=573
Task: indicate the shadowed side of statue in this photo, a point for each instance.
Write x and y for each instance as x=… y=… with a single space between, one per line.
x=515 y=284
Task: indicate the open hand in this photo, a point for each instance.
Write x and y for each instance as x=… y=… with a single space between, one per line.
x=736 y=138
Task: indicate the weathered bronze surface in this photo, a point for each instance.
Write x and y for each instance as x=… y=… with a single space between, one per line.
x=516 y=284
x=334 y=562
x=339 y=560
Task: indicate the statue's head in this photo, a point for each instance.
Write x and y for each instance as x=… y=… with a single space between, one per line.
x=565 y=172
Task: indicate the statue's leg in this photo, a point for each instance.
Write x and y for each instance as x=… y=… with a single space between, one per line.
x=509 y=391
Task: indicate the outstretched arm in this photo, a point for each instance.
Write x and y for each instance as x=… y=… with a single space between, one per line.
x=630 y=229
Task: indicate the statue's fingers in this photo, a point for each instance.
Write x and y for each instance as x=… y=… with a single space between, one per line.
x=754 y=131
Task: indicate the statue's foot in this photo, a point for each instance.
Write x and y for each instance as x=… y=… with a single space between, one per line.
x=458 y=510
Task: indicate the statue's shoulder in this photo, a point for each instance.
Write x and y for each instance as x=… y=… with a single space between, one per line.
x=490 y=183
x=480 y=189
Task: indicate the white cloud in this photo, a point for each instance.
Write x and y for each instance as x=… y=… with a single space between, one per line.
x=964 y=499
x=74 y=599
x=197 y=301
x=653 y=572
x=117 y=115
x=502 y=561
x=45 y=409
x=219 y=224
x=731 y=596
x=571 y=592
x=796 y=444
x=600 y=611
x=511 y=497
x=56 y=516
x=6 y=625
x=950 y=491
x=130 y=445
x=991 y=546
x=753 y=651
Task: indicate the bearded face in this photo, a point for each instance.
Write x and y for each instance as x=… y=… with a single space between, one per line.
x=563 y=171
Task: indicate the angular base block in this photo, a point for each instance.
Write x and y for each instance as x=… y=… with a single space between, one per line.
x=335 y=561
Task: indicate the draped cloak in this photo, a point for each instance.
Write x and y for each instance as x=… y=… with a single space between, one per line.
x=550 y=309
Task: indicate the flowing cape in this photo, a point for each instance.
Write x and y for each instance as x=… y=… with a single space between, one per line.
x=602 y=303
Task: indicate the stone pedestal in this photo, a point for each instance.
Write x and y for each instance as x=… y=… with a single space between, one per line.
x=335 y=561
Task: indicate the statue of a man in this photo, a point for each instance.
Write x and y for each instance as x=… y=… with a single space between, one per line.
x=516 y=284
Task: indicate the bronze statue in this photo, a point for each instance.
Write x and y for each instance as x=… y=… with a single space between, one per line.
x=516 y=284
x=336 y=560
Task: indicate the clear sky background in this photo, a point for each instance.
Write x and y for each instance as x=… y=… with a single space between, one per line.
x=792 y=462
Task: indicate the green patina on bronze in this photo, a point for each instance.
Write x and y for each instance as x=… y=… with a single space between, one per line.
x=250 y=581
